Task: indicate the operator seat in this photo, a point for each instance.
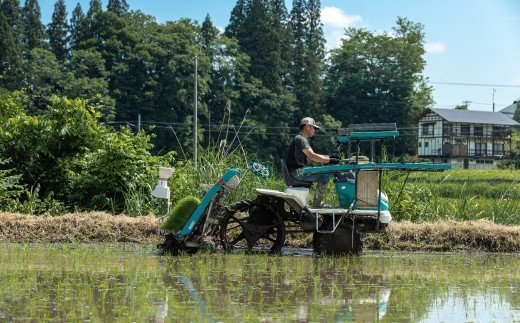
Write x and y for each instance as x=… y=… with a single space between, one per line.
x=290 y=180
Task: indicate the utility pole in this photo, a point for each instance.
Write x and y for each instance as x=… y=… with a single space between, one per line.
x=195 y=118
x=138 y=122
x=494 y=99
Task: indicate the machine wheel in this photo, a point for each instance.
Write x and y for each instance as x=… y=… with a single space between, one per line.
x=341 y=242
x=252 y=224
x=173 y=247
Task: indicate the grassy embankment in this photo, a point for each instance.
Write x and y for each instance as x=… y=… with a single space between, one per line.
x=99 y=227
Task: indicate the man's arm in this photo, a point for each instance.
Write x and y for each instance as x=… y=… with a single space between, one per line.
x=315 y=157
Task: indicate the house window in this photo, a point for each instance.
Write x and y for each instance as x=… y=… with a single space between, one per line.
x=464 y=129
x=420 y=144
x=478 y=131
x=499 y=131
x=448 y=129
x=426 y=144
x=480 y=148
x=427 y=129
x=499 y=149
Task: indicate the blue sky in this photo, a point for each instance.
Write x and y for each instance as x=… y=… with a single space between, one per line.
x=471 y=42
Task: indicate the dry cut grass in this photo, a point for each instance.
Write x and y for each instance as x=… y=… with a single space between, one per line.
x=481 y=235
x=77 y=227
x=101 y=227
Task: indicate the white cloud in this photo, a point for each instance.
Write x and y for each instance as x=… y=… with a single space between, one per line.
x=334 y=22
x=336 y=18
x=435 y=48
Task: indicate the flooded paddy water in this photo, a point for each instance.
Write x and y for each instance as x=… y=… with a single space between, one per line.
x=133 y=283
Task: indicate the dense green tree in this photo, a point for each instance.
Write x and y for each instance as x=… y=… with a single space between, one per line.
x=44 y=77
x=68 y=154
x=307 y=57
x=262 y=34
x=10 y=44
x=58 y=31
x=238 y=15
x=33 y=30
x=94 y=7
x=208 y=33
x=77 y=26
x=281 y=40
x=299 y=29
x=375 y=77
x=516 y=116
x=119 y=7
x=86 y=78
x=312 y=99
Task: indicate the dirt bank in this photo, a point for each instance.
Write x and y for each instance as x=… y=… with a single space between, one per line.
x=103 y=227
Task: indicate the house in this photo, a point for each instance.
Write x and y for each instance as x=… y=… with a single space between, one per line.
x=465 y=139
x=510 y=110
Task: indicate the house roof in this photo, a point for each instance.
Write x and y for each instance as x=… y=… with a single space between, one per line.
x=470 y=116
x=509 y=110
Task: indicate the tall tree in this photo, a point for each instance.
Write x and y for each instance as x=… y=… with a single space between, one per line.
x=34 y=30
x=377 y=77
x=299 y=30
x=10 y=44
x=209 y=34
x=312 y=99
x=238 y=15
x=94 y=6
x=119 y=7
x=58 y=31
x=77 y=26
x=281 y=38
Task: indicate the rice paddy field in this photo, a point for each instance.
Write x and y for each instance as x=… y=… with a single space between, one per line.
x=129 y=282
x=459 y=195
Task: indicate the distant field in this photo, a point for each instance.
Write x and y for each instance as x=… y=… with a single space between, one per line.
x=495 y=175
x=457 y=195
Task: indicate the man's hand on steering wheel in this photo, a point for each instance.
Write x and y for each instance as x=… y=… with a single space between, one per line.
x=333 y=160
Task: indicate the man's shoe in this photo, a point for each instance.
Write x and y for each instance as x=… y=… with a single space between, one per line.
x=322 y=206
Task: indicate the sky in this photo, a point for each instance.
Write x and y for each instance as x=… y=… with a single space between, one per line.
x=473 y=46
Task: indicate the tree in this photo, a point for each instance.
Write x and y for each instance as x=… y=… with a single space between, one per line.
x=377 y=78
x=44 y=77
x=312 y=99
x=10 y=40
x=516 y=116
x=34 y=30
x=238 y=14
x=57 y=30
x=86 y=78
x=208 y=33
x=77 y=26
x=94 y=7
x=119 y=7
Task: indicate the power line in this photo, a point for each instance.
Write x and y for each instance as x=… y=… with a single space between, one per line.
x=476 y=84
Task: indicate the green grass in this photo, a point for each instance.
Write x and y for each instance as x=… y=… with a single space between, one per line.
x=469 y=175
x=457 y=195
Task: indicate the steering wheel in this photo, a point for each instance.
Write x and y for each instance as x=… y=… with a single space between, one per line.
x=259 y=170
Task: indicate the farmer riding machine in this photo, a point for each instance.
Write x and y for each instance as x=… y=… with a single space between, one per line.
x=263 y=222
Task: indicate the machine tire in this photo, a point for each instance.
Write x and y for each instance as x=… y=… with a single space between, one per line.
x=341 y=242
x=252 y=224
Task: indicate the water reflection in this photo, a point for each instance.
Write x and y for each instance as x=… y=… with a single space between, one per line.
x=123 y=284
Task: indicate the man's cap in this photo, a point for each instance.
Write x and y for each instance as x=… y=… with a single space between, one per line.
x=309 y=120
